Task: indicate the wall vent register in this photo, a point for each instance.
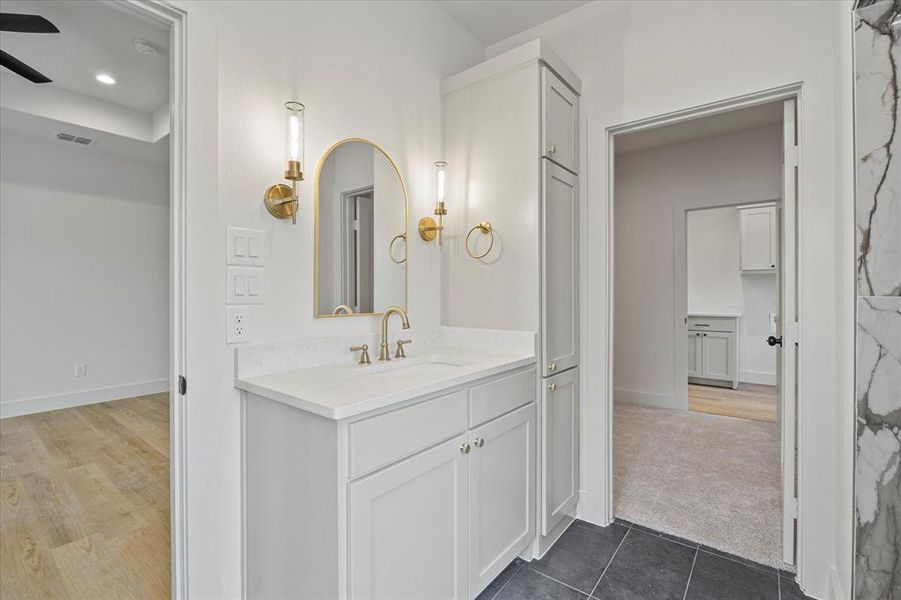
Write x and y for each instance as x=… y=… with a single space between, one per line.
x=75 y=139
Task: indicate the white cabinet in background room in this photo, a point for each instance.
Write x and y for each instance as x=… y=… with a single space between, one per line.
x=511 y=142
x=713 y=350
x=759 y=237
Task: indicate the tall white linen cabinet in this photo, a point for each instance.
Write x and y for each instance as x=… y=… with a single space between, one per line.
x=511 y=143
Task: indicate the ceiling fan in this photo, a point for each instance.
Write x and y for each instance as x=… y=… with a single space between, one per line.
x=24 y=24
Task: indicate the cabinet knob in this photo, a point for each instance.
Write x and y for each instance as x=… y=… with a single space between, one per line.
x=552 y=387
x=552 y=149
x=479 y=442
x=464 y=448
x=552 y=367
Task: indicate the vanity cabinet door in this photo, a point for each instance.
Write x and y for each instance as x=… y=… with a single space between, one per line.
x=559 y=448
x=501 y=494
x=719 y=355
x=559 y=121
x=559 y=270
x=407 y=527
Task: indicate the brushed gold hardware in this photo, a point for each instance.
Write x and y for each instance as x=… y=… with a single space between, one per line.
x=399 y=353
x=428 y=228
x=479 y=442
x=552 y=387
x=364 y=357
x=405 y=323
x=399 y=236
x=316 y=225
x=465 y=448
x=343 y=309
x=552 y=367
x=485 y=228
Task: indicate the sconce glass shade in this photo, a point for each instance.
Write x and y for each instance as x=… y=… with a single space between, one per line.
x=294 y=137
x=440 y=180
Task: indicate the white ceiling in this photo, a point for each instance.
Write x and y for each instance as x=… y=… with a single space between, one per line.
x=491 y=21
x=736 y=120
x=94 y=38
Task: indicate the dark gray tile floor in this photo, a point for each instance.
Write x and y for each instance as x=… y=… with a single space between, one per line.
x=625 y=561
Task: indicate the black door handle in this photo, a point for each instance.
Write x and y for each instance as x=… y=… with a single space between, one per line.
x=773 y=340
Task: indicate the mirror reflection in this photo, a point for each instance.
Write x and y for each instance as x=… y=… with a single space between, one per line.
x=361 y=235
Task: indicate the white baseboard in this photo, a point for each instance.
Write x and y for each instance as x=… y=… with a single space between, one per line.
x=646 y=398
x=761 y=377
x=28 y=406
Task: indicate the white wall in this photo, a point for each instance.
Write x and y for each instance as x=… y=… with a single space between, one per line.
x=362 y=70
x=643 y=59
x=653 y=186
x=84 y=267
x=715 y=281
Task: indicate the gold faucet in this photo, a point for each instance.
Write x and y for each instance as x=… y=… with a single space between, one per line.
x=343 y=308
x=383 y=348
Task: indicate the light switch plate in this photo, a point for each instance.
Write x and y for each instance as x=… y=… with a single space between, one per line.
x=246 y=247
x=238 y=324
x=245 y=285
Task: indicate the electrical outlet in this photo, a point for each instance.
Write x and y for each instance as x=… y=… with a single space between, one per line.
x=237 y=327
x=81 y=369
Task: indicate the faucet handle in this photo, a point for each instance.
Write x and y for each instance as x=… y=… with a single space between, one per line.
x=400 y=348
x=364 y=357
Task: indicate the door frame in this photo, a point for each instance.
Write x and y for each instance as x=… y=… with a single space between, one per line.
x=781 y=93
x=165 y=14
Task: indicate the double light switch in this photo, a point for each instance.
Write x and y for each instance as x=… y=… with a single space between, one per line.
x=246 y=257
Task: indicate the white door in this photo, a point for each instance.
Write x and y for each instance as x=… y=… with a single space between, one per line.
x=559 y=121
x=759 y=238
x=407 y=527
x=559 y=269
x=718 y=355
x=559 y=448
x=501 y=494
x=694 y=354
x=365 y=285
x=786 y=364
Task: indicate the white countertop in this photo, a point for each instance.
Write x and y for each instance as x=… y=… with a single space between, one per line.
x=445 y=358
x=731 y=314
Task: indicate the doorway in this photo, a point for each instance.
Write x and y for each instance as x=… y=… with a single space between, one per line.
x=653 y=356
x=93 y=441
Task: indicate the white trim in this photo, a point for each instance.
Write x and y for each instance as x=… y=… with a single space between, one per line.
x=713 y=108
x=29 y=406
x=759 y=377
x=645 y=398
x=835 y=585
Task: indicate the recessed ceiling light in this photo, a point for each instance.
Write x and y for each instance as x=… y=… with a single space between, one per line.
x=105 y=79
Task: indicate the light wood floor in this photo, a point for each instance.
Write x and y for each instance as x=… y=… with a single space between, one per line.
x=749 y=401
x=84 y=508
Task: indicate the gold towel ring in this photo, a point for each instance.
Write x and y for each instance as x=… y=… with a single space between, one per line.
x=483 y=227
x=399 y=236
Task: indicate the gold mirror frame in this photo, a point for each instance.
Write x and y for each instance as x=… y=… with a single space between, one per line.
x=403 y=186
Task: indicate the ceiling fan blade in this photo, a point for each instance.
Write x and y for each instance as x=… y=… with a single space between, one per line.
x=19 y=68
x=26 y=23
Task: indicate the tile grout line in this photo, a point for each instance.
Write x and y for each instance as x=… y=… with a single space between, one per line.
x=506 y=583
x=779 y=585
x=690 y=573
x=560 y=582
x=610 y=562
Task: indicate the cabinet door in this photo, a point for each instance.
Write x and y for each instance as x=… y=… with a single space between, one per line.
x=559 y=270
x=407 y=527
x=501 y=494
x=759 y=238
x=559 y=121
x=694 y=354
x=718 y=355
x=559 y=448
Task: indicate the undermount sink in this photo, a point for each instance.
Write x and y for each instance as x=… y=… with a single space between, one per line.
x=427 y=364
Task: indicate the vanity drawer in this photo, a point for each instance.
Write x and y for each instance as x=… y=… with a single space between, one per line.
x=712 y=323
x=500 y=396
x=379 y=440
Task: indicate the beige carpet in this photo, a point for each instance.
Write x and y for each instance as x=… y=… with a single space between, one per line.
x=710 y=479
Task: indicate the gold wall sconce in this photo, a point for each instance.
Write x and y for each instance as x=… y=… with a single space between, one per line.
x=428 y=228
x=281 y=200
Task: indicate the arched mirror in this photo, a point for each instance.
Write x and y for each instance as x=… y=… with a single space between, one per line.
x=361 y=231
